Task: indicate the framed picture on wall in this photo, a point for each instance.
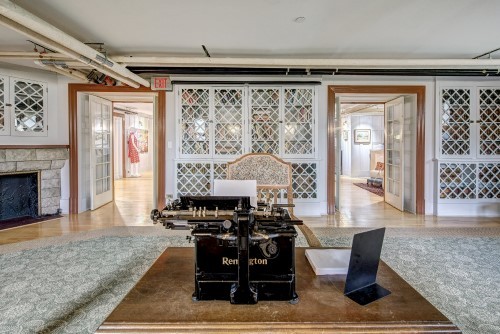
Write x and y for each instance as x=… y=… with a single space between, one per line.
x=362 y=136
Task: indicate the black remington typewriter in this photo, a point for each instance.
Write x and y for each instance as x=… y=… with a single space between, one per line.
x=243 y=254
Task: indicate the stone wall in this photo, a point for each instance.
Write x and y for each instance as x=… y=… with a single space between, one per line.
x=48 y=161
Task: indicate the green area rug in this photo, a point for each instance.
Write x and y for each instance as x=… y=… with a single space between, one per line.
x=70 y=284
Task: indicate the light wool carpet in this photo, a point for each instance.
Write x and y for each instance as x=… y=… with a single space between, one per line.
x=70 y=284
x=456 y=269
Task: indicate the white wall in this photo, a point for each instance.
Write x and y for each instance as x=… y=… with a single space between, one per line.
x=430 y=120
x=57 y=118
x=360 y=153
x=345 y=145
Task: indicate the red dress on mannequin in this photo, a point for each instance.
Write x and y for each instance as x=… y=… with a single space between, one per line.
x=133 y=153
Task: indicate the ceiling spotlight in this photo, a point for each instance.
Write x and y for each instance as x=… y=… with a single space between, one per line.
x=299 y=19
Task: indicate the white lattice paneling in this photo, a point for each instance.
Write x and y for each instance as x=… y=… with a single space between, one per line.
x=265 y=120
x=228 y=120
x=220 y=170
x=457 y=180
x=298 y=121
x=489 y=175
x=455 y=122
x=489 y=122
x=193 y=178
x=304 y=180
x=195 y=120
x=29 y=106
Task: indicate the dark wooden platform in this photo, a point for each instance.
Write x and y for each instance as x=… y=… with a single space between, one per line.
x=161 y=303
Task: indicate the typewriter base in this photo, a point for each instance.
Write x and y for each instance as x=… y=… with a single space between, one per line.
x=270 y=278
x=161 y=303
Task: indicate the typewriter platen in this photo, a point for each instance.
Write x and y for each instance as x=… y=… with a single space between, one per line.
x=242 y=254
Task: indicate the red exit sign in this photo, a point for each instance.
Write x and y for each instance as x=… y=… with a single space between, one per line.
x=161 y=83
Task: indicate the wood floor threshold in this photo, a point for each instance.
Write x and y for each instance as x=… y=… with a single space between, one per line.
x=252 y=327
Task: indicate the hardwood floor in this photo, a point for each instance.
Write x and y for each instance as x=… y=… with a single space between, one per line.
x=133 y=203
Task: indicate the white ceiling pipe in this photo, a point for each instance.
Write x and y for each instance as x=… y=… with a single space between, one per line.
x=44 y=56
x=34 y=23
x=66 y=72
x=60 y=48
x=312 y=63
x=31 y=55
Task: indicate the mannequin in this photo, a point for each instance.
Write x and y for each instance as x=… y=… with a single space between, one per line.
x=133 y=153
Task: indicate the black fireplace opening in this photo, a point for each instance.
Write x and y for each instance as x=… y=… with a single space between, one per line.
x=19 y=196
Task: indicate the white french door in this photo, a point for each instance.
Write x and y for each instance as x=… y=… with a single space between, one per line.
x=101 y=160
x=394 y=153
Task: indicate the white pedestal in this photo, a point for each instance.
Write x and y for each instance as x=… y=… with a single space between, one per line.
x=329 y=261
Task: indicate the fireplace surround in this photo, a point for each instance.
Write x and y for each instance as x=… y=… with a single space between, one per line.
x=47 y=162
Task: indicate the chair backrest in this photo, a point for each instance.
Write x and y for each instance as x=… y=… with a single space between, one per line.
x=271 y=173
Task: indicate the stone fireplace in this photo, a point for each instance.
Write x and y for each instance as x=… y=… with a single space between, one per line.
x=47 y=162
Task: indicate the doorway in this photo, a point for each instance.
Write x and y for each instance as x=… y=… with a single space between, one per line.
x=116 y=144
x=156 y=188
x=133 y=177
x=335 y=133
x=376 y=159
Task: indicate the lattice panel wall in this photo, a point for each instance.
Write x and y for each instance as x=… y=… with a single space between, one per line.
x=304 y=180
x=193 y=179
x=489 y=185
x=298 y=118
x=489 y=117
x=195 y=117
x=220 y=170
x=457 y=180
x=265 y=112
x=455 y=122
x=2 y=104
x=228 y=120
x=29 y=106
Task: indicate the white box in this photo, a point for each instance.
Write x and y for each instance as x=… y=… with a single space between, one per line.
x=329 y=261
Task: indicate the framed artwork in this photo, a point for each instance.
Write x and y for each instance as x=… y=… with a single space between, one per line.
x=362 y=136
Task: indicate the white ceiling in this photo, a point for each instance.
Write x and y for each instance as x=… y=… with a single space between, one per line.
x=266 y=28
x=141 y=108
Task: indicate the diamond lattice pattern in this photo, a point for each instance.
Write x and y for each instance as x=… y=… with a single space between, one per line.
x=489 y=115
x=228 y=121
x=193 y=179
x=28 y=106
x=2 y=104
x=489 y=185
x=304 y=180
x=457 y=180
x=220 y=170
x=195 y=115
x=455 y=126
x=298 y=121
x=265 y=120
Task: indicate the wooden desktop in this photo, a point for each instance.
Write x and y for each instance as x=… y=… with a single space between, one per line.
x=161 y=303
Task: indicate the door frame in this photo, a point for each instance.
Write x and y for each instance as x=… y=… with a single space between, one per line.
x=122 y=117
x=419 y=91
x=160 y=122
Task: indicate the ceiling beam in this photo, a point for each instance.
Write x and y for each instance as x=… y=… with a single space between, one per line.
x=60 y=48
x=17 y=14
x=492 y=64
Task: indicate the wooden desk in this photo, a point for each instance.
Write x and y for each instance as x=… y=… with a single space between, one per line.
x=161 y=303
